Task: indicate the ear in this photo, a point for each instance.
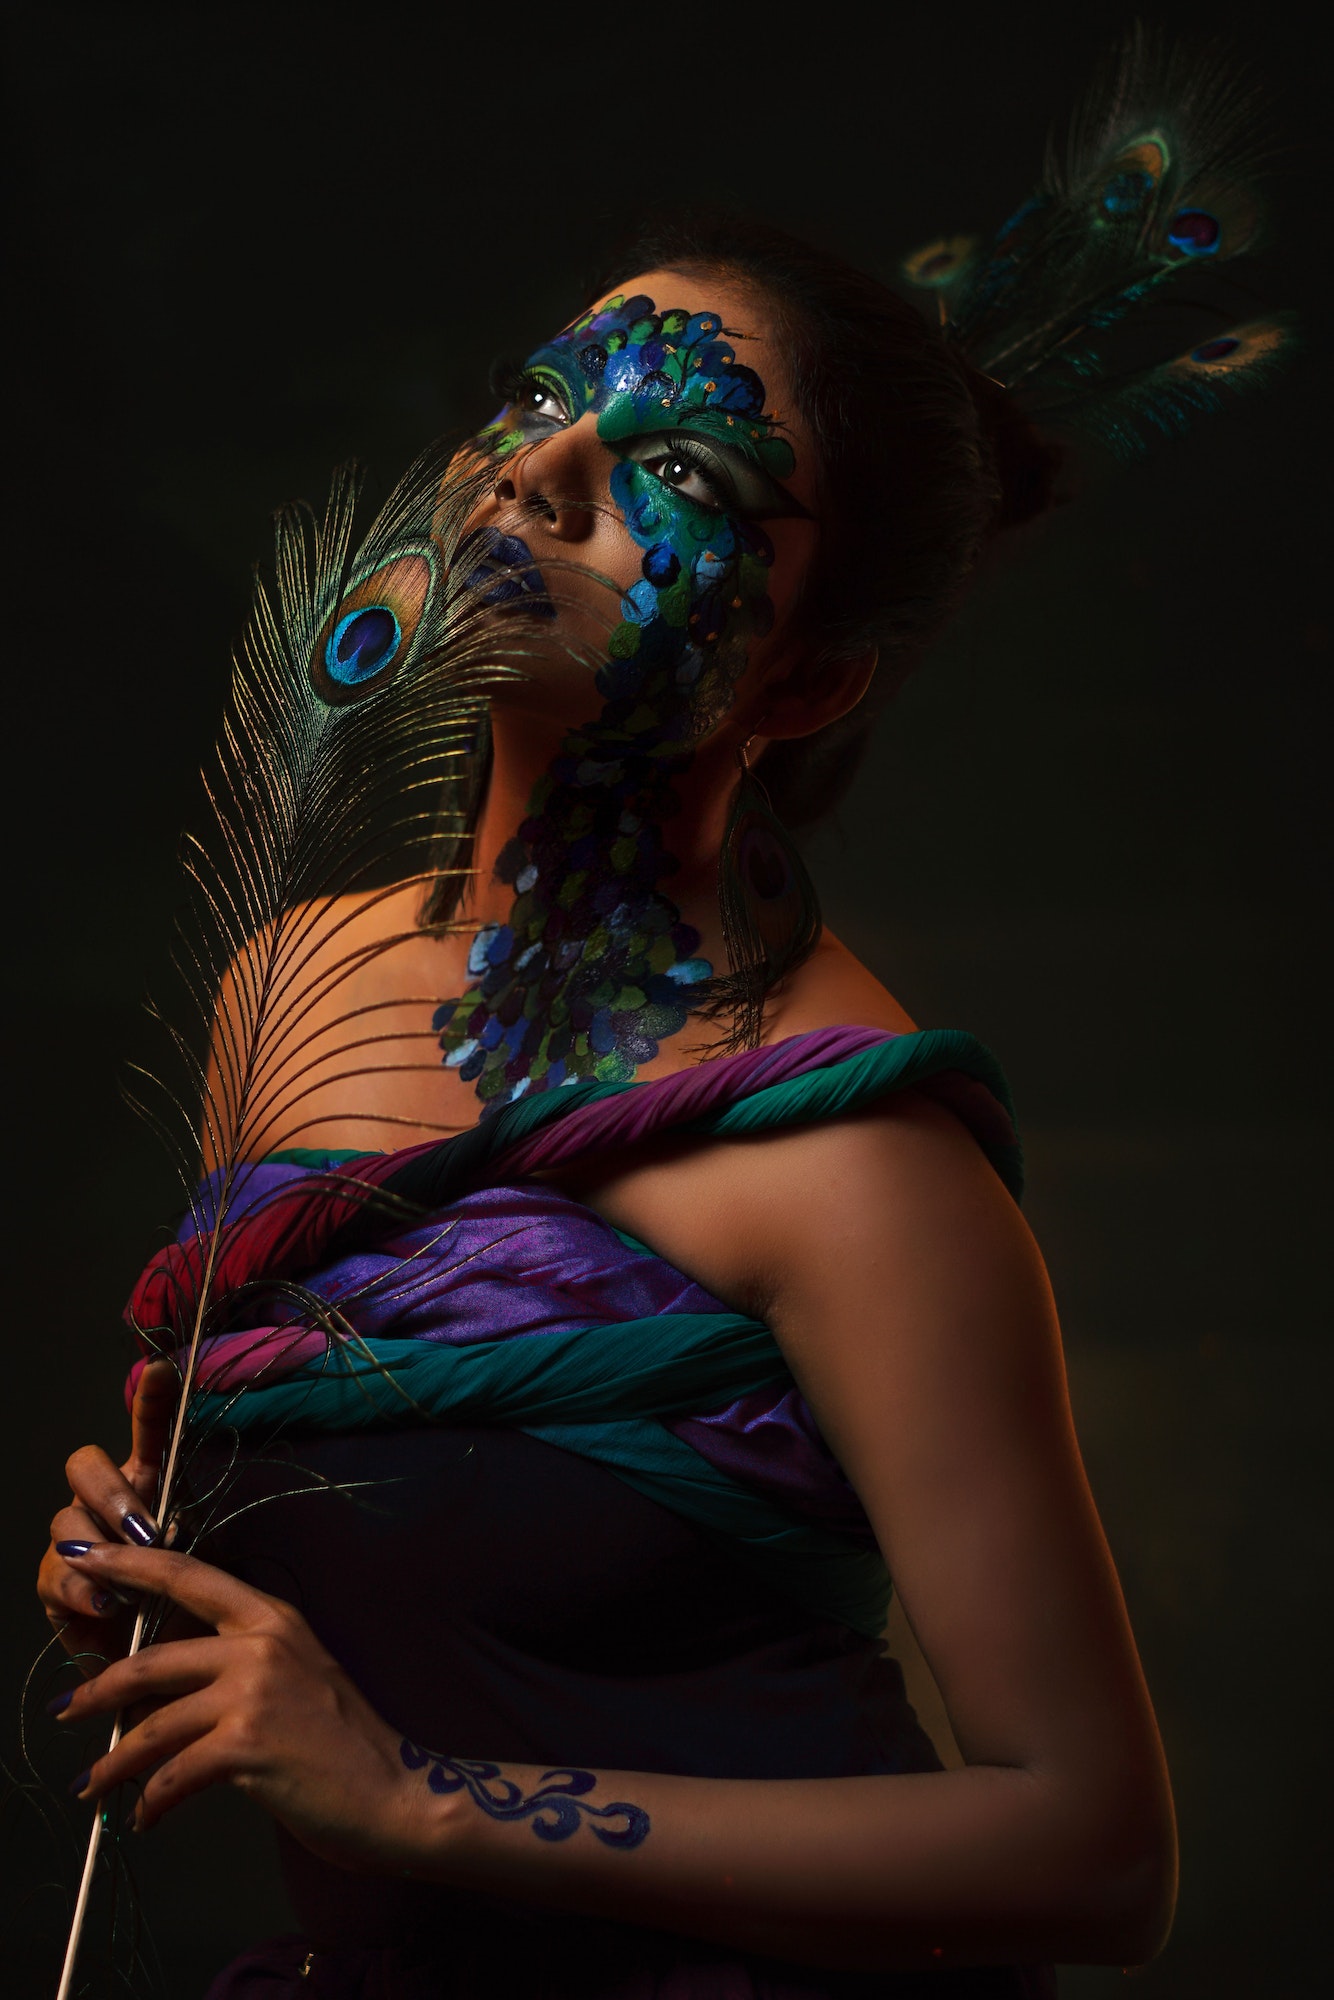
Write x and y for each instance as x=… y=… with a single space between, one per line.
x=816 y=695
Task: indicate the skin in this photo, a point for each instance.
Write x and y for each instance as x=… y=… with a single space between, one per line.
x=935 y=1376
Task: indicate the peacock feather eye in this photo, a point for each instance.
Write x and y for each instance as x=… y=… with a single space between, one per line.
x=1215 y=350
x=1127 y=192
x=939 y=263
x=1239 y=353
x=362 y=644
x=371 y=632
x=1194 y=232
x=1134 y=175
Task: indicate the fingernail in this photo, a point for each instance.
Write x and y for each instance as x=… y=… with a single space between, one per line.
x=139 y=1530
x=68 y=1549
x=80 y=1783
x=60 y=1703
x=104 y=1600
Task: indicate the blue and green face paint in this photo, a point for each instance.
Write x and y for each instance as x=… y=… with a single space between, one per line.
x=594 y=969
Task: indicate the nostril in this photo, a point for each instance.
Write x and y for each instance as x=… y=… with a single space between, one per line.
x=504 y=490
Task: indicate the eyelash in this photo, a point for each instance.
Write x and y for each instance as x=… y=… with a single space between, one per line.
x=702 y=462
x=509 y=381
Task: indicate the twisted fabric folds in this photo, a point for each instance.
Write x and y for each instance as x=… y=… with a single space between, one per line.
x=443 y=1284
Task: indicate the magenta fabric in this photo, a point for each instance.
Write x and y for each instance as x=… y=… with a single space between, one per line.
x=644 y=1109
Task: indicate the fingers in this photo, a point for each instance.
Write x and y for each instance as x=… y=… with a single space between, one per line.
x=69 y=1595
x=155 y=1401
x=104 y=1491
x=64 y=1591
x=222 y=1600
x=160 y=1734
x=158 y=1673
x=207 y=1761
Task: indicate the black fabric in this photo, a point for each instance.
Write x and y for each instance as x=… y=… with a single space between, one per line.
x=495 y=1597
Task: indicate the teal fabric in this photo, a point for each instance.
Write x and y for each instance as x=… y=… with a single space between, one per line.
x=828 y=1574
x=603 y=1391
x=901 y=1064
x=666 y=1366
x=598 y=1392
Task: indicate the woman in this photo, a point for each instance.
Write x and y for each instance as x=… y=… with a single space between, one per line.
x=653 y=1767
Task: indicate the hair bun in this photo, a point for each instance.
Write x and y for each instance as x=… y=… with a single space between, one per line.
x=1026 y=464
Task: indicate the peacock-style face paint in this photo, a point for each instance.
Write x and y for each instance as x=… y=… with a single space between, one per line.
x=594 y=969
x=699 y=462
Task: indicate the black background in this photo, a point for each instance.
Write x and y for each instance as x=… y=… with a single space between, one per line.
x=248 y=243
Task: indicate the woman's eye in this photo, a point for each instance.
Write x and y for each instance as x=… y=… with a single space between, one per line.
x=724 y=482
x=686 y=476
x=533 y=399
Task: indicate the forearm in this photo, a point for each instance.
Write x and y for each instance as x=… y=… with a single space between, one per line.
x=975 y=1866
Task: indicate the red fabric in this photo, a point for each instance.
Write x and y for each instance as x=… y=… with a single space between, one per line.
x=276 y=1241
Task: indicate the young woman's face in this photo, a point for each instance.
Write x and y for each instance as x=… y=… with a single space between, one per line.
x=653 y=496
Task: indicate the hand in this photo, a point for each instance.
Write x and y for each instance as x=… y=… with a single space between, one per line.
x=108 y=1501
x=260 y=1705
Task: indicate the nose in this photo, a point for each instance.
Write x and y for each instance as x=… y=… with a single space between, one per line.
x=560 y=479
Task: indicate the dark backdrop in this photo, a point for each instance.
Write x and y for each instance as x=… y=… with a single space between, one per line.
x=251 y=242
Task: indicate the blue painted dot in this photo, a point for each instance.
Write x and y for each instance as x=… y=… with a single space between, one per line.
x=601 y=1035
x=362 y=644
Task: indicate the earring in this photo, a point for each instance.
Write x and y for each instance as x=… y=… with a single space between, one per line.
x=770 y=911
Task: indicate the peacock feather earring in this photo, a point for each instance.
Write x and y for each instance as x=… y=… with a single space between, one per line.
x=770 y=911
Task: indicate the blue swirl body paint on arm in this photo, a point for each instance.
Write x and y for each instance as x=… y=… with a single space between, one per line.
x=557 y=1809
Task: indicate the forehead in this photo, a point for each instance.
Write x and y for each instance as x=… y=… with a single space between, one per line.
x=665 y=340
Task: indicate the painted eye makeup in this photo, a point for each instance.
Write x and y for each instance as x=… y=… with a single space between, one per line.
x=535 y=400
x=724 y=482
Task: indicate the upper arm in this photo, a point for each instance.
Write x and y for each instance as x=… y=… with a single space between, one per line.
x=915 y=1313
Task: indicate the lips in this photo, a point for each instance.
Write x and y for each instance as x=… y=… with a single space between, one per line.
x=505 y=573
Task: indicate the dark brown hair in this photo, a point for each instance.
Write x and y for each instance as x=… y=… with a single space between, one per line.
x=921 y=461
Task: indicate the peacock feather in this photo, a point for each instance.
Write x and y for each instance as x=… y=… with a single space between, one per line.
x=354 y=702
x=1166 y=400
x=1157 y=176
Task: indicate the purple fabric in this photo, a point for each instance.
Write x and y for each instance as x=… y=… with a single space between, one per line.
x=518 y=1258
x=527 y=1260
x=504 y=1260
x=768 y=1439
x=635 y=1114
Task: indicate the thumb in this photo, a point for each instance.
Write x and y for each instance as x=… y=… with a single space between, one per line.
x=150 y=1422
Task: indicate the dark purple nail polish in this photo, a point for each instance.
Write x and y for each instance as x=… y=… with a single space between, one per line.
x=60 y=1703
x=138 y=1530
x=74 y=1548
x=79 y=1783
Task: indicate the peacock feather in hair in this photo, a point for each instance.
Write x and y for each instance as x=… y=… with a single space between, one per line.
x=355 y=699
x=1167 y=399
x=1158 y=176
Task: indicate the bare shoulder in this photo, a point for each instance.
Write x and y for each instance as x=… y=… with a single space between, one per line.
x=896 y=1193
x=348 y=992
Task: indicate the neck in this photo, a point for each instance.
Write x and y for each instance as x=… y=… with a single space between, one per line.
x=595 y=897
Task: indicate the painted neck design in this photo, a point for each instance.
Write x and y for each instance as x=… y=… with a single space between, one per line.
x=593 y=968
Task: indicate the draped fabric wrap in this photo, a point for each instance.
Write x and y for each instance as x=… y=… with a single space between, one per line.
x=444 y=1284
